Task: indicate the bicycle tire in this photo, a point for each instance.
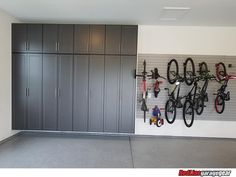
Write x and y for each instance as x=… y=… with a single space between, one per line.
x=200 y=106
x=189 y=81
x=185 y=112
x=219 y=111
x=170 y=121
x=203 y=68
x=219 y=76
x=158 y=123
x=172 y=62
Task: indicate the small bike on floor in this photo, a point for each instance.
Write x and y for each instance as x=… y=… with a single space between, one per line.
x=156 y=117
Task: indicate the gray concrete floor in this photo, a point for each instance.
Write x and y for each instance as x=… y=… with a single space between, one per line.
x=64 y=150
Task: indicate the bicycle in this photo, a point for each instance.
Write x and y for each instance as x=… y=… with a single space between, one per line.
x=195 y=99
x=144 y=76
x=173 y=101
x=222 y=95
x=156 y=76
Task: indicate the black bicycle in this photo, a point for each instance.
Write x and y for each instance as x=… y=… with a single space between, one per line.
x=196 y=98
x=174 y=101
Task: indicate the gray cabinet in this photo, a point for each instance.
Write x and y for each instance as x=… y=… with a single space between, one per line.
x=34 y=112
x=58 y=38
x=129 y=40
x=19 y=38
x=27 y=38
x=50 y=92
x=80 y=111
x=113 y=39
x=81 y=39
x=50 y=38
x=127 y=94
x=97 y=39
x=96 y=88
x=65 y=76
x=19 y=90
x=74 y=77
x=111 y=93
x=65 y=39
x=27 y=91
x=34 y=42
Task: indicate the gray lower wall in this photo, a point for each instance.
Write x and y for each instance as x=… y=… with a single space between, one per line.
x=160 y=61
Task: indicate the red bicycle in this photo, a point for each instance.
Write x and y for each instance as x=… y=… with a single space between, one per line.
x=222 y=95
x=156 y=86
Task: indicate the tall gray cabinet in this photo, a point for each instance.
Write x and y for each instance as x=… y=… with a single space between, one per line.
x=74 y=77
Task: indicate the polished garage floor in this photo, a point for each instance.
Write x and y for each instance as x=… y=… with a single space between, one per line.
x=65 y=150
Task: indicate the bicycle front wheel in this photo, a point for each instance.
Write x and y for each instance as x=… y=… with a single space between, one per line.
x=188 y=113
x=170 y=111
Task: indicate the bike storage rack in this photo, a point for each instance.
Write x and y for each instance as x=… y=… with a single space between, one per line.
x=196 y=97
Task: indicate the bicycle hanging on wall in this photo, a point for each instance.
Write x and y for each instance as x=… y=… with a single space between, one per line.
x=222 y=95
x=144 y=76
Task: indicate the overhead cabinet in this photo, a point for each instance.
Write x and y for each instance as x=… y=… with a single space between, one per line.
x=58 y=39
x=74 y=77
x=27 y=38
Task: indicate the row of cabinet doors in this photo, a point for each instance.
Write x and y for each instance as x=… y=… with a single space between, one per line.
x=80 y=39
x=73 y=93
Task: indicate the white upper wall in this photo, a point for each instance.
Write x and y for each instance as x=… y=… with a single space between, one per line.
x=187 y=40
x=5 y=75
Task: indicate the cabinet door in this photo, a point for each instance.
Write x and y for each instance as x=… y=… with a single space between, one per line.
x=19 y=37
x=129 y=40
x=97 y=39
x=65 y=39
x=50 y=92
x=81 y=39
x=113 y=37
x=111 y=96
x=19 y=85
x=50 y=38
x=65 y=92
x=35 y=92
x=35 y=34
x=127 y=94
x=80 y=116
x=96 y=85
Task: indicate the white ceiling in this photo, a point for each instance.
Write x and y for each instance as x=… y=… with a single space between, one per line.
x=144 y=12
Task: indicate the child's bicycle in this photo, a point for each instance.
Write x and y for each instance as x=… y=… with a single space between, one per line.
x=156 y=117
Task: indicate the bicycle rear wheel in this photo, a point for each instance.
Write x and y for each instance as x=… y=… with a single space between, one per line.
x=172 y=71
x=188 y=113
x=220 y=71
x=219 y=104
x=199 y=106
x=170 y=111
x=189 y=71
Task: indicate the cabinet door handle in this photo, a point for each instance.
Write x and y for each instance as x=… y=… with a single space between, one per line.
x=26 y=91
x=56 y=46
x=55 y=92
x=26 y=45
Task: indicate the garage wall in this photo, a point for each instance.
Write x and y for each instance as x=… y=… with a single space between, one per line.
x=203 y=43
x=5 y=75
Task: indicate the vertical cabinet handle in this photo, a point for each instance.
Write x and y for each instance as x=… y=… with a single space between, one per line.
x=55 y=92
x=28 y=91
x=56 y=46
x=28 y=46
